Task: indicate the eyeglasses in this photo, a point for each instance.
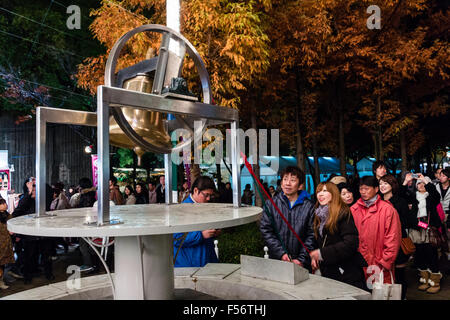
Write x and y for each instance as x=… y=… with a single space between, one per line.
x=207 y=195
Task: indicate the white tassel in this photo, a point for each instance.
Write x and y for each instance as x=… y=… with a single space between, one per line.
x=431 y=283
x=422 y=280
x=266 y=255
x=216 y=248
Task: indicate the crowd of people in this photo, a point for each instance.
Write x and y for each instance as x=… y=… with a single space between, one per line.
x=25 y=257
x=347 y=233
x=348 y=229
x=351 y=234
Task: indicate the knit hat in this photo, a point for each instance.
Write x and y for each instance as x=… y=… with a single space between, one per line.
x=338 y=179
x=424 y=180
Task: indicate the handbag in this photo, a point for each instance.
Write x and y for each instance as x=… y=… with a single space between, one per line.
x=407 y=246
x=437 y=239
x=386 y=291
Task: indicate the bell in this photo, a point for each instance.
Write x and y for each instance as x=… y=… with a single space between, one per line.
x=150 y=125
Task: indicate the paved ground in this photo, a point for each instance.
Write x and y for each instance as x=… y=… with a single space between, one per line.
x=73 y=257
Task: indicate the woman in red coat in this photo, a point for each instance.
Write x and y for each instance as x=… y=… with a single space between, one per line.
x=379 y=230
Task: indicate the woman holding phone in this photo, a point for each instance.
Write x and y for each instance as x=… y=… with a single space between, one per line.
x=426 y=216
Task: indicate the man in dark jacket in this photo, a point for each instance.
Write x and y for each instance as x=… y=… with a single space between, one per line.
x=293 y=202
x=160 y=190
x=34 y=246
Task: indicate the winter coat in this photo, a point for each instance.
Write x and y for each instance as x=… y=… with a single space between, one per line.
x=247 y=197
x=26 y=205
x=300 y=216
x=131 y=199
x=87 y=197
x=380 y=232
x=152 y=196
x=339 y=250
x=60 y=203
x=432 y=201
x=445 y=200
x=6 y=249
x=160 y=194
x=116 y=196
x=141 y=198
x=195 y=250
x=405 y=216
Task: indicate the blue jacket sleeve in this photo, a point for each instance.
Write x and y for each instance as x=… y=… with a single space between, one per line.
x=192 y=239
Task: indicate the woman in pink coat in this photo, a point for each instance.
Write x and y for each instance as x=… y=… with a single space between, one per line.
x=379 y=230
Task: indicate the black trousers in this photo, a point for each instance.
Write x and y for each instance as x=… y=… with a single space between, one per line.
x=426 y=257
x=400 y=278
x=32 y=250
x=18 y=249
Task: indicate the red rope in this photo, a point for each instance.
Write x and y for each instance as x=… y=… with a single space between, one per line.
x=249 y=167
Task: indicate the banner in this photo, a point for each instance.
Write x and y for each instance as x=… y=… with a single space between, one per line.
x=94 y=159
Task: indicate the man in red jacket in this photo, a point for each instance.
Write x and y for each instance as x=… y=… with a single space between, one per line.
x=379 y=230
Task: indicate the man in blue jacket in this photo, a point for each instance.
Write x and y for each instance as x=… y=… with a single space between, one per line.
x=293 y=202
x=196 y=249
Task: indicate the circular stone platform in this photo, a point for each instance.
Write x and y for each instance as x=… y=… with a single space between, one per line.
x=143 y=259
x=138 y=220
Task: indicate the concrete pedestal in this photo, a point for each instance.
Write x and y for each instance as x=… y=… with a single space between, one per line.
x=143 y=243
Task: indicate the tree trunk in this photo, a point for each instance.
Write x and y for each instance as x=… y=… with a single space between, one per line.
x=316 y=162
x=379 y=133
x=375 y=146
x=342 y=161
x=315 y=154
x=403 y=151
x=195 y=172
x=300 y=151
x=219 y=174
x=299 y=143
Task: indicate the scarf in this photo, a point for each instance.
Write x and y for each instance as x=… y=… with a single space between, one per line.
x=370 y=202
x=422 y=198
x=322 y=213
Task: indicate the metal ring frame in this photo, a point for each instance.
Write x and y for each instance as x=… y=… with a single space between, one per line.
x=111 y=64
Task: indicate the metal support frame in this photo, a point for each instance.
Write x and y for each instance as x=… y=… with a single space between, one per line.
x=46 y=115
x=109 y=101
x=107 y=97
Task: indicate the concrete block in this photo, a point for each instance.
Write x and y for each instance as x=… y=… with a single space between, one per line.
x=274 y=270
x=216 y=270
x=185 y=272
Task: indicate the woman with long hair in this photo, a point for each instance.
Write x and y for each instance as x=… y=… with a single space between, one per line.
x=337 y=237
x=389 y=188
x=129 y=195
x=426 y=217
x=141 y=194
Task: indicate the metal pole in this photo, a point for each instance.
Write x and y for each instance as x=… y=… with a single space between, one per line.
x=168 y=178
x=41 y=137
x=235 y=164
x=103 y=158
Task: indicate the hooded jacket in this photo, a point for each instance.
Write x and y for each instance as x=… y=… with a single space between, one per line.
x=300 y=216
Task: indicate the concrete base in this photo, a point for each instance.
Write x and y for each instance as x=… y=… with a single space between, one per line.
x=201 y=284
x=152 y=277
x=274 y=270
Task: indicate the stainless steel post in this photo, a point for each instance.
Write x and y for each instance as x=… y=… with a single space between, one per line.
x=235 y=164
x=103 y=158
x=41 y=137
x=168 y=178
